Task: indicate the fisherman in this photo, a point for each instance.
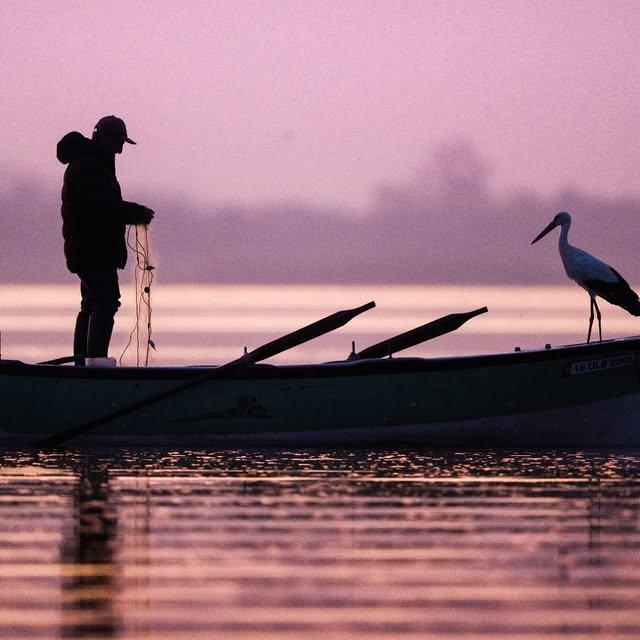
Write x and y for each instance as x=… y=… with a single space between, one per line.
x=94 y=219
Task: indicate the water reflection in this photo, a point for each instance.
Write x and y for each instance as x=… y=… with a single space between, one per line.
x=267 y=544
x=88 y=592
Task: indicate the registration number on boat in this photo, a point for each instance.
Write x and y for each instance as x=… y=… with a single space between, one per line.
x=591 y=366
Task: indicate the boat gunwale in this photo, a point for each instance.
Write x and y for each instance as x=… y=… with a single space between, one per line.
x=342 y=368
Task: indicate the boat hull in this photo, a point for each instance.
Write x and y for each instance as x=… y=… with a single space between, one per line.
x=575 y=396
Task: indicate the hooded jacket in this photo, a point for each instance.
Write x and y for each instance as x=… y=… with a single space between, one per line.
x=94 y=215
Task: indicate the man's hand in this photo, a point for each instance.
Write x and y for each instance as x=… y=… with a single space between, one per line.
x=147 y=215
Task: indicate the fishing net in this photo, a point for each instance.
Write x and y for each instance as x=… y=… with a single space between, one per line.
x=139 y=241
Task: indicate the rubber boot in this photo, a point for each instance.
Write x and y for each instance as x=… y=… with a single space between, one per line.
x=80 y=338
x=100 y=328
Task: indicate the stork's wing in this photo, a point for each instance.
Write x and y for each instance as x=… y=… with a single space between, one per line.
x=582 y=266
x=616 y=292
x=622 y=281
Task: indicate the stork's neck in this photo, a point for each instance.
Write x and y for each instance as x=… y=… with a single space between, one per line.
x=563 y=242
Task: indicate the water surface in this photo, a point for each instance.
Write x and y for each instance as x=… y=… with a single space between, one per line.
x=316 y=544
x=319 y=544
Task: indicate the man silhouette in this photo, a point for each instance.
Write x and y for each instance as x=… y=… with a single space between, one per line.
x=94 y=223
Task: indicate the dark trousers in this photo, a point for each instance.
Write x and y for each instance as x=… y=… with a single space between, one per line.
x=94 y=324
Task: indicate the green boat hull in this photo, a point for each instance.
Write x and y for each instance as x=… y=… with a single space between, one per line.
x=573 y=396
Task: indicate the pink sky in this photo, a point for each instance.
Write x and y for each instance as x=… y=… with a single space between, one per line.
x=321 y=101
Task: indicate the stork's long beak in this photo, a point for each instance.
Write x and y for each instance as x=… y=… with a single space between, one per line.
x=552 y=225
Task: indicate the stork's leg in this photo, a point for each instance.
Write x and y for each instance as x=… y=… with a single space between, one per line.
x=599 y=318
x=590 y=320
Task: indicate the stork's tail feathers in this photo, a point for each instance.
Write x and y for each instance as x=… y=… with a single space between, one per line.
x=633 y=308
x=626 y=297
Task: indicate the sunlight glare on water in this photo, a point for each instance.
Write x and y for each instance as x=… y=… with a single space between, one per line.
x=197 y=324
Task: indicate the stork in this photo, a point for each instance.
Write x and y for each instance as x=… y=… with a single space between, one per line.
x=594 y=276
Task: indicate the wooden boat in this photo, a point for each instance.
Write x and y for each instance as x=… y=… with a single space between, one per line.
x=584 y=395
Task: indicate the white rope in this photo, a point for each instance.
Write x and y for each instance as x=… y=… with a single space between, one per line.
x=143 y=275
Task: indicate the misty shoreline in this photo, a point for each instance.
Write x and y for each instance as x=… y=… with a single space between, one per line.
x=444 y=226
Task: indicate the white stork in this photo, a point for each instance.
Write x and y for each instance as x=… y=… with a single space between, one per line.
x=593 y=275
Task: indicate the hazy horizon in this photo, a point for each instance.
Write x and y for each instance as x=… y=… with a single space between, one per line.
x=443 y=224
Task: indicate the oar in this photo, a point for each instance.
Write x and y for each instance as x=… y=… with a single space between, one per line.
x=432 y=329
x=63 y=360
x=311 y=331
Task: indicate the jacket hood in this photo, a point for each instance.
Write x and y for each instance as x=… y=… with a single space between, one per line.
x=72 y=146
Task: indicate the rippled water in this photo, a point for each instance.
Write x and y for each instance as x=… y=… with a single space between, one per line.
x=319 y=544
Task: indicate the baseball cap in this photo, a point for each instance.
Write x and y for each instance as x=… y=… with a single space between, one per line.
x=112 y=126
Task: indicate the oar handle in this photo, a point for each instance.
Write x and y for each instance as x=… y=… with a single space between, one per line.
x=425 y=332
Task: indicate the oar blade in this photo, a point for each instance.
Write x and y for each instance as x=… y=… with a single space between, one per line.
x=425 y=332
x=314 y=330
x=63 y=360
x=311 y=331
